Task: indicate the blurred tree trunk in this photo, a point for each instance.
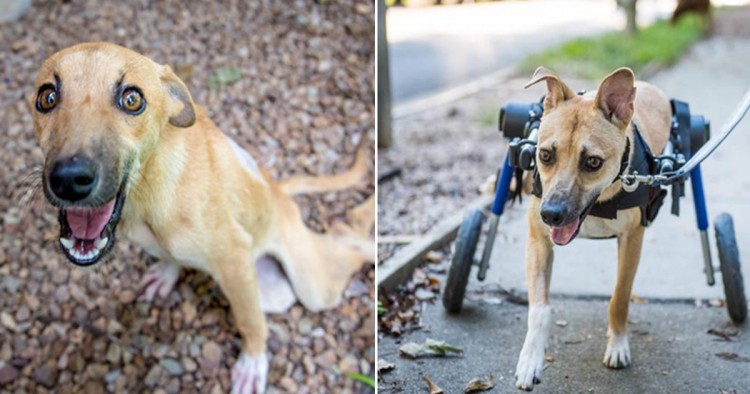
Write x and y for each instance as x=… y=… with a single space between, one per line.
x=384 y=83
x=630 y=12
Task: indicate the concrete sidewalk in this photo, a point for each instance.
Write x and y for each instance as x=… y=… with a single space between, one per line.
x=671 y=349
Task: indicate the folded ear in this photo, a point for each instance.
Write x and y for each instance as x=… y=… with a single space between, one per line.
x=179 y=105
x=557 y=91
x=616 y=95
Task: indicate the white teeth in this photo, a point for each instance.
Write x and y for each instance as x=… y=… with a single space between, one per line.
x=67 y=243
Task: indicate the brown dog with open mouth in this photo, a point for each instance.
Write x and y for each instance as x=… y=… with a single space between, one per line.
x=126 y=150
x=585 y=143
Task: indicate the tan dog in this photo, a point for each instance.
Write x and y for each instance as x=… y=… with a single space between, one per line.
x=582 y=140
x=126 y=149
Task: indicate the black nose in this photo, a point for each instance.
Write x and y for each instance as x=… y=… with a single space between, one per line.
x=73 y=179
x=553 y=214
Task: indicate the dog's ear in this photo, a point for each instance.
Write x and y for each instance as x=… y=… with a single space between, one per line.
x=557 y=90
x=179 y=106
x=616 y=95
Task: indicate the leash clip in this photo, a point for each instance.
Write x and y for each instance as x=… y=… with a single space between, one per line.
x=630 y=181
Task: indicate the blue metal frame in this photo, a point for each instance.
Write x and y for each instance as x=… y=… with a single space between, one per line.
x=503 y=187
x=701 y=214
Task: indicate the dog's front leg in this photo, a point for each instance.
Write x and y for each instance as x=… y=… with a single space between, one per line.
x=539 y=257
x=629 y=244
x=237 y=277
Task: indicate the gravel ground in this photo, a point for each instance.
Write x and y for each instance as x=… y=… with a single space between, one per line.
x=304 y=99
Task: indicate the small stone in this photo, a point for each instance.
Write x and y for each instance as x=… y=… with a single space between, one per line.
x=561 y=323
x=304 y=326
x=349 y=364
x=62 y=294
x=189 y=364
x=32 y=301
x=114 y=353
x=8 y=373
x=127 y=296
x=23 y=313
x=112 y=376
x=288 y=384
x=8 y=321
x=45 y=375
x=188 y=311
x=152 y=376
x=212 y=351
x=93 y=387
x=172 y=366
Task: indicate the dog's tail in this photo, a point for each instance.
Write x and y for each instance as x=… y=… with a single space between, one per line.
x=328 y=183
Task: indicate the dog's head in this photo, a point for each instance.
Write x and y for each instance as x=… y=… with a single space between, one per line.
x=99 y=110
x=582 y=139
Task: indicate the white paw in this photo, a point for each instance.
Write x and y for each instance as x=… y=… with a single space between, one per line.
x=617 y=355
x=160 y=278
x=531 y=361
x=530 y=367
x=249 y=374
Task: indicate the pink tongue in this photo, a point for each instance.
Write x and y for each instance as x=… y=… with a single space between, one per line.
x=88 y=223
x=563 y=235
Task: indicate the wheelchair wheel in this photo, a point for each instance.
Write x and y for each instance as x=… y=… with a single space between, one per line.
x=462 y=260
x=731 y=275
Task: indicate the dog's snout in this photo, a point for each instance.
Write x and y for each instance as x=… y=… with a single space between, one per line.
x=73 y=179
x=553 y=213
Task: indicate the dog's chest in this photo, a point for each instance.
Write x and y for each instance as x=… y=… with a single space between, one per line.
x=595 y=227
x=142 y=235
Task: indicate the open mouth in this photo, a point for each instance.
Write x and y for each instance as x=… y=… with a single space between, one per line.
x=88 y=233
x=562 y=235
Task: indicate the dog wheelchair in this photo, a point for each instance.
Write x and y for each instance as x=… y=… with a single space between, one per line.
x=680 y=161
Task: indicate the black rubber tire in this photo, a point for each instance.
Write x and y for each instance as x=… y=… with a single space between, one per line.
x=462 y=260
x=729 y=261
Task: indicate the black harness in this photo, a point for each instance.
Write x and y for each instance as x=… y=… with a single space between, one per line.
x=648 y=198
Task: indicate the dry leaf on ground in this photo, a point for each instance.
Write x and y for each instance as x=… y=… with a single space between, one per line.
x=434 y=389
x=385 y=366
x=430 y=348
x=478 y=384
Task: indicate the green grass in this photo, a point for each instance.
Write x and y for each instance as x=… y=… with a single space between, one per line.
x=361 y=378
x=653 y=48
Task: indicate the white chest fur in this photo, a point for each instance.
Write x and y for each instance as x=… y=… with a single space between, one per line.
x=595 y=227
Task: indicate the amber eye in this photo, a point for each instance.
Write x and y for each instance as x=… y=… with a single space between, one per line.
x=47 y=99
x=131 y=101
x=545 y=156
x=593 y=163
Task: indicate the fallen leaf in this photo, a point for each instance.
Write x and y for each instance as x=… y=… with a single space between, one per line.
x=638 y=300
x=430 y=348
x=385 y=366
x=561 y=323
x=716 y=303
x=733 y=357
x=224 y=76
x=434 y=389
x=424 y=295
x=724 y=335
x=549 y=358
x=478 y=384
x=433 y=256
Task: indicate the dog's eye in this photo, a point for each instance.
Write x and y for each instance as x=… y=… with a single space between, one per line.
x=593 y=163
x=47 y=99
x=131 y=101
x=545 y=156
